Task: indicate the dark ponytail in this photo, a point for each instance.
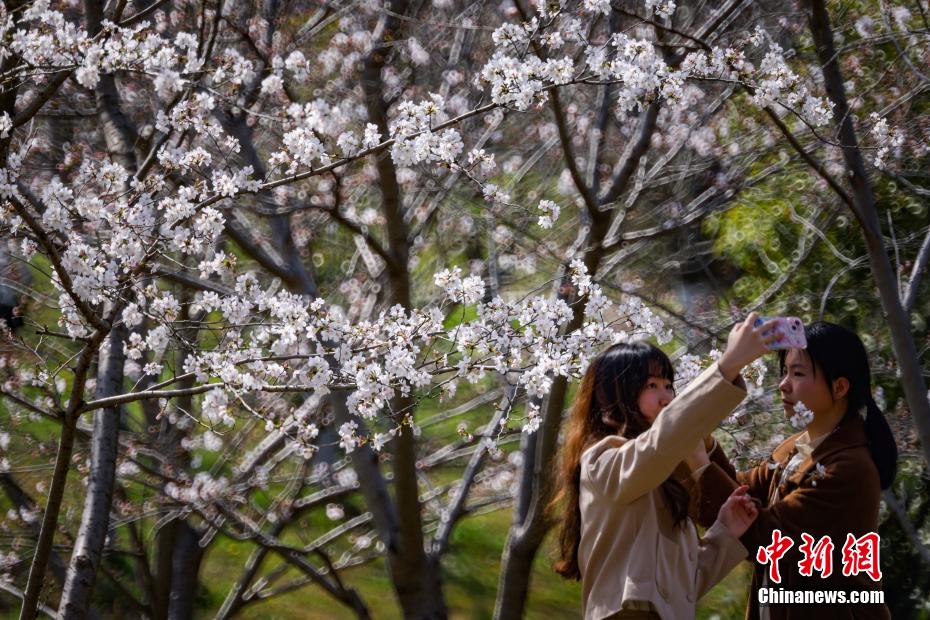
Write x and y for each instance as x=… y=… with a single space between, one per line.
x=881 y=443
x=838 y=352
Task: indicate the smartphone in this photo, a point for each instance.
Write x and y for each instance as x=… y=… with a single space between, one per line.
x=791 y=327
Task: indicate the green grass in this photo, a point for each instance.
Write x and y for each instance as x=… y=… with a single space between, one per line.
x=469 y=571
x=728 y=598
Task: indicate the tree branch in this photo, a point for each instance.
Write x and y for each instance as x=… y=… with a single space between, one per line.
x=347 y=596
x=11 y=589
x=191 y=281
x=42 y=236
x=917 y=273
x=807 y=157
x=632 y=155
x=256 y=249
x=456 y=506
x=144 y=13
x=910 y=531
x=36 y=103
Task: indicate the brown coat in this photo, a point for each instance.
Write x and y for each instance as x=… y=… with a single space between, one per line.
x=839 y=497
x=629 y=548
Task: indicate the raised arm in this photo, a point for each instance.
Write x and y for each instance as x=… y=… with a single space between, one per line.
x=626 y=470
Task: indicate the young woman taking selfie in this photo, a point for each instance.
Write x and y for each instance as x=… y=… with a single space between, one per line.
x=626 y=533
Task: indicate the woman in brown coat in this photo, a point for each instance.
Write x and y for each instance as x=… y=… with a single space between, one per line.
x=823 y=482
x=626 y=532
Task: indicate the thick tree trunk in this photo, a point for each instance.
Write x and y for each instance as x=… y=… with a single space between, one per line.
x=118 y=131
x=530 y=524
x=185 y=569
x=531 y=521
x=118 y=134
x=178 y=554
x=9 y=92
x=176 y=571
x=865 y=210
x=59 y=480
x=164 y=554
x=95 y=520
x=414 y=574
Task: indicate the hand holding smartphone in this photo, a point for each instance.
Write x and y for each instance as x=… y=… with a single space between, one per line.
x=792 y=329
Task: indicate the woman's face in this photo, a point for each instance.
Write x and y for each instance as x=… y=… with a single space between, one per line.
x=656 y=394
x=800 y=383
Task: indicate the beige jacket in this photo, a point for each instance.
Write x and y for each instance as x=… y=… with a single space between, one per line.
x=630 y=552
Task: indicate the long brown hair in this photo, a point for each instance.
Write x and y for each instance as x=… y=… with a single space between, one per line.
x=606 y=404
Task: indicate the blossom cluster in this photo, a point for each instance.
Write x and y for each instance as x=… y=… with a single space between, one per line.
x=304 y=346
x=519 y=78
x=49 y=40
x=802 y=416
x=414 y=139
x=202 y=489
x=885 y=138
x=118 y=231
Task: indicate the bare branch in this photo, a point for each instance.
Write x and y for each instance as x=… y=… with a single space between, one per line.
x=192 y=282
x=456 y=507
x=11 y=589
x=238 y=231
x=35 y=104
x=807 y=157
x=917 y=273
x=632 y=155
x=144 y=13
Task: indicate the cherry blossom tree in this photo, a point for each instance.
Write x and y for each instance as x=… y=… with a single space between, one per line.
x=257 y=240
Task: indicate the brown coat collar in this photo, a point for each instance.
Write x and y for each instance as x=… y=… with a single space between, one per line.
x=849 y=433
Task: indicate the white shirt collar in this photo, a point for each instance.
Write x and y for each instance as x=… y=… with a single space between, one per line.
x=806 y=447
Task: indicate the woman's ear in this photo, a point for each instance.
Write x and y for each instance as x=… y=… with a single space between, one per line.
x=840 y=388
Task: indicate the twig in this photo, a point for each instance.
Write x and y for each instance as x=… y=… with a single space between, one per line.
x=920 y=267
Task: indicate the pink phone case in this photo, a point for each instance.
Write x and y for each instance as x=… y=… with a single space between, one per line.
x=793 y=329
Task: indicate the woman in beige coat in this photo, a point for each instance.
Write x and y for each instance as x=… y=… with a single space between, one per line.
x=626 y=533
